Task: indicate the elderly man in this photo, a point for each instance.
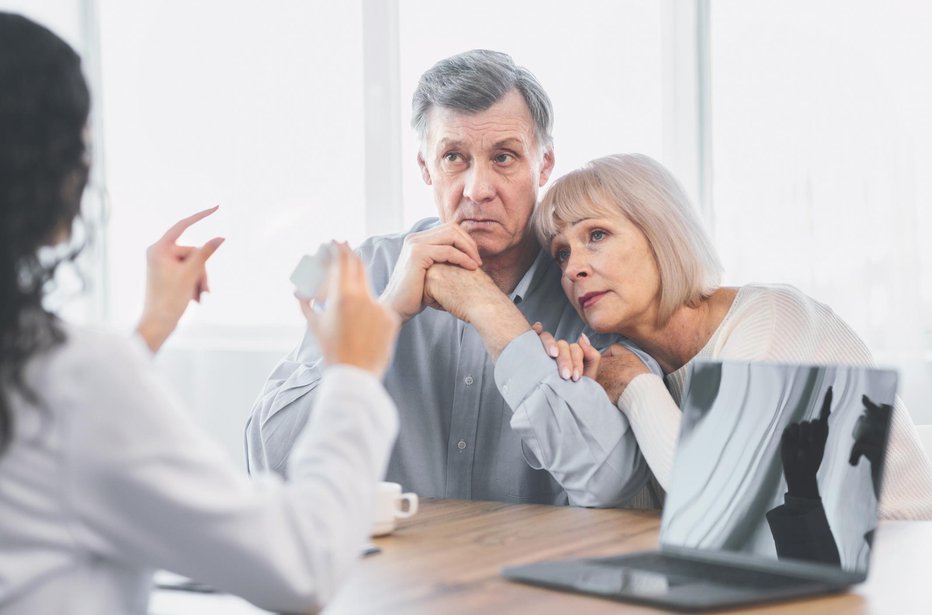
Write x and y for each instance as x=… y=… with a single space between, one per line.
x=484 y=412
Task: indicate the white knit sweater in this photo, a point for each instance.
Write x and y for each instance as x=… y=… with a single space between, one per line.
x=780 y=324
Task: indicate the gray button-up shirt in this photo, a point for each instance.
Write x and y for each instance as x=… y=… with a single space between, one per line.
x=470 y=429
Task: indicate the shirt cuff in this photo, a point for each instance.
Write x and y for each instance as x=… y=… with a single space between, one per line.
x=522 y=367
x=141 y=346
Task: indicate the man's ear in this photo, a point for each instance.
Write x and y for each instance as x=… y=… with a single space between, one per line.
x=547 y=167
x=425 y=172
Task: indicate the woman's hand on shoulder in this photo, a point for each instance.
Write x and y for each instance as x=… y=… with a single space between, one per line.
x=619 y=366
x=574 y=359
x=175 y=275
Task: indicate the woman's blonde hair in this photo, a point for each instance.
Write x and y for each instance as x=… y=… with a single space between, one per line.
x=648 y=195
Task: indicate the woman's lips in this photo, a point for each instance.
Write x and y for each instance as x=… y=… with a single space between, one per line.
x=589 y=299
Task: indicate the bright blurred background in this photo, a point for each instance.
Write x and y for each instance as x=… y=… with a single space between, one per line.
x=801 y=130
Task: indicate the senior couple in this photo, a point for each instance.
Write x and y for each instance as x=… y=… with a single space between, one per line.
x=509 y=377
x=496 y=386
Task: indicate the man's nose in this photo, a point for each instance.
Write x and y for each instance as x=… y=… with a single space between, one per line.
x=480 y=184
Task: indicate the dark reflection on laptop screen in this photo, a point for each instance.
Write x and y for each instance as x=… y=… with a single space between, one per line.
x=781 y=461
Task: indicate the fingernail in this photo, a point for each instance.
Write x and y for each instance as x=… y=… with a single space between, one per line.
x=576 y=375
x=553 y=352
x=583 y=336
x=565 y=373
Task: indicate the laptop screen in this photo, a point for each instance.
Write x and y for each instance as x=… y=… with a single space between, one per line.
x=780 y=461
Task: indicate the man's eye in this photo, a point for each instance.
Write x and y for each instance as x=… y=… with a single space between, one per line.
x=597 y=235
x=504 y=158
x=452 y=157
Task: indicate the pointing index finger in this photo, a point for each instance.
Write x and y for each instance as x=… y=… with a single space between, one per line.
x=826 y=406
x=172 y=234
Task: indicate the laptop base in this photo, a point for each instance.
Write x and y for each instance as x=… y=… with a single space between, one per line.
x=669 y=581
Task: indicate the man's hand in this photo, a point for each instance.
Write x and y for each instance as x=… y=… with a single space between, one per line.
x=801 y=449
x=354 y=328
x=447 y=243
x=473 y=297
x=461 y=292
x=174 y=276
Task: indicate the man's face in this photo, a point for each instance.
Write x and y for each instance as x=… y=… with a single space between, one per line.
x=486 y=169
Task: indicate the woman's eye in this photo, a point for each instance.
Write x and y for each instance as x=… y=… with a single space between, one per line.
x=597 y=235
x=561 y=255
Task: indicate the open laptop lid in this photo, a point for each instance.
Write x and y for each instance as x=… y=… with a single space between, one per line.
x=727 y=500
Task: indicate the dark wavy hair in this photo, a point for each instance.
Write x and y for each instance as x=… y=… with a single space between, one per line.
x=44 y=164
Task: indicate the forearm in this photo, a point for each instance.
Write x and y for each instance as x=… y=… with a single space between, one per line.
x=655 y=419
x=570 y=429
x=498 y=322
x=334 y=468
x=282 y=409
x=154 y=332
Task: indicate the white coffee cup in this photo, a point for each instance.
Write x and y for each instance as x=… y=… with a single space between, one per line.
x=391 y=504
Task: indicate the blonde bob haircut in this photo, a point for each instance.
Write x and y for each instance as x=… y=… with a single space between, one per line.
x=648 y=195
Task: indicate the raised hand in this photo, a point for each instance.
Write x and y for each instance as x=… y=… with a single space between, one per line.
x=354 y=329
x=174 y=276
x=801 y=450
x=447 y=243
x=462 y=292
x=870 y=433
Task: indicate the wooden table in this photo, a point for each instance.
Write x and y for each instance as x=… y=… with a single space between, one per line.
x=448 y=558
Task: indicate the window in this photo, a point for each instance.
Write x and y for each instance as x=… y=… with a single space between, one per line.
x=295 y=117
x=821 y=144
x=602 y=67
x=253 y=106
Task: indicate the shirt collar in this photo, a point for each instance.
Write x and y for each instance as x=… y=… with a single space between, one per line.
x=524 y=285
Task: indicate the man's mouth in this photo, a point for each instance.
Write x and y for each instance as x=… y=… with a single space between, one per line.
x=589 y=299
x=477 y=223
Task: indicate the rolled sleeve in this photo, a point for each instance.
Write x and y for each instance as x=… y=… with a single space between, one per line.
x=571 y=429
x=521 y=368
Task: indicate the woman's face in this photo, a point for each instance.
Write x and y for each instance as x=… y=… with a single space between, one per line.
x=609 y=272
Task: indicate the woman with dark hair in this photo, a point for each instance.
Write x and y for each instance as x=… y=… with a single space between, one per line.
x=102 y=477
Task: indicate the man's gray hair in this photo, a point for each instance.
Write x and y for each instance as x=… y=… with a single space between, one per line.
x=475 y=80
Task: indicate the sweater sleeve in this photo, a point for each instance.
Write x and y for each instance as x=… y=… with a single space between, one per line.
x=146 y=486
x=655 y=420
x=746 y=333
x=907 y=475
x=782 y=324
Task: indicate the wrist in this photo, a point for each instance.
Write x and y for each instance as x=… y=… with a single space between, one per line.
x=154 y=332
x=492 y=306
x=387 y=301
x=803 y=487
x=498 y=323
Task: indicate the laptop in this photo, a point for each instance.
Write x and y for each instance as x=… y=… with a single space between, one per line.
x=773 y=494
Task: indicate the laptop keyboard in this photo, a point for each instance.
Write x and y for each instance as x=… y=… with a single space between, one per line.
x=682 y=571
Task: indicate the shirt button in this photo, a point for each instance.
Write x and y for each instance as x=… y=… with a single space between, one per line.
x=461 y=444
x=468 y=380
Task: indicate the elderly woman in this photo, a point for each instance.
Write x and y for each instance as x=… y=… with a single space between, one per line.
x=637 y=262
x=103 y=478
